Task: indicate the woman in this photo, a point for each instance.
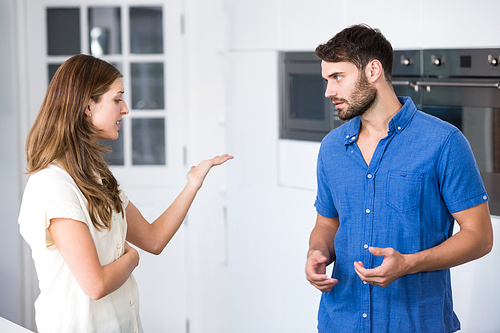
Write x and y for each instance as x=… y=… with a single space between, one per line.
x=74 y=216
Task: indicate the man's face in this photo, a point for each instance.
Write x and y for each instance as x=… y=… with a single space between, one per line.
x=348 y=89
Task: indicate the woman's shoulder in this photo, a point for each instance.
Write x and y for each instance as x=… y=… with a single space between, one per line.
x=52 y=173
x=51 y=180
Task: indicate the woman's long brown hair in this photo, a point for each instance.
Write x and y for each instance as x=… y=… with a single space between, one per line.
x=61 y=134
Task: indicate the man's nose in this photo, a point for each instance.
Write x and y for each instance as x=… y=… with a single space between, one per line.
x=330 y=91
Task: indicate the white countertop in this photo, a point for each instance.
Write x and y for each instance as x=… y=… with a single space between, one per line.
x=9 y=327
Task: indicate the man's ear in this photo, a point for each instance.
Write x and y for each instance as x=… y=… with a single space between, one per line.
x=374 y=71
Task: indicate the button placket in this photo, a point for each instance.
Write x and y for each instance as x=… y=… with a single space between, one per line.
x=367 y=239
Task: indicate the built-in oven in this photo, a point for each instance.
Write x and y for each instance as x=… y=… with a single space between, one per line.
x=305 y=112
x=461 y=86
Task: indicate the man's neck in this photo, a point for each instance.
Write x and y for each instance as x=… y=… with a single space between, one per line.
x=376 y=120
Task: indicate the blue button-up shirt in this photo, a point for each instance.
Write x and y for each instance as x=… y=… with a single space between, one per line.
x=420 y=173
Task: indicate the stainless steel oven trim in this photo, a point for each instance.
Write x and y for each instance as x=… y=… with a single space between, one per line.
x=405 y=83
x=455 y=84
x=417 y=84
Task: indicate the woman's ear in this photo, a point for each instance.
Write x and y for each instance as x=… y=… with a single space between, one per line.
x=88 y=111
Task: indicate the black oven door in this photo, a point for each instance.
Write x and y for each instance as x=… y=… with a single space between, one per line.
x=474 y=107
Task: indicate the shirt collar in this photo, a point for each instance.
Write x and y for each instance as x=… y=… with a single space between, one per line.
x=403 y=117
x=397 y=123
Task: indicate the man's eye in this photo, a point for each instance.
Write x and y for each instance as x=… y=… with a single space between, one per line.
x=338 y=77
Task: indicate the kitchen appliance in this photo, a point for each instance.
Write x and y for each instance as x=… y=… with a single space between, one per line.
x=461 y=86
x=305 y=112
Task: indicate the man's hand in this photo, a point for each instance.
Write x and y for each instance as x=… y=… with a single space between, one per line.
x=393 y=267
x=316 y=271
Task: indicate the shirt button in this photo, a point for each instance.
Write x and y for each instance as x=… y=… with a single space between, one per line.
x=367 y=211
x=364 y=282
x=114 y=217
x=369 y=176
x=365 y=315
x=399 y=127
x=365 y=246
x=131 y=303
x=485 y=197
x=134 y=331
x=118 y=246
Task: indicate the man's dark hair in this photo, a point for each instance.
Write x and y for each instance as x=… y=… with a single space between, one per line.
x=358 y=44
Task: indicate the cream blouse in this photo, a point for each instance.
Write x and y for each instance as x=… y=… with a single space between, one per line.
x=62 y=306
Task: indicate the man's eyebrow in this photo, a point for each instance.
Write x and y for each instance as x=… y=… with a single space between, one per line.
x=335 y=74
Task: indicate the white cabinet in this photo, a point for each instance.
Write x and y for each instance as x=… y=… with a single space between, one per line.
x=461 y=23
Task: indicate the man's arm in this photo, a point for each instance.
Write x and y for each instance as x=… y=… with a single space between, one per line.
x=321 y=252
x=474 y=240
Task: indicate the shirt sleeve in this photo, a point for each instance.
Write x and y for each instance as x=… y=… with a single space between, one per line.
x=324 y=200
x=460 y=180
x=124 y=199
x=65 y=200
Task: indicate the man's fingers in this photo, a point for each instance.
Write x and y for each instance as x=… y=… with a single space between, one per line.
x=324 y=285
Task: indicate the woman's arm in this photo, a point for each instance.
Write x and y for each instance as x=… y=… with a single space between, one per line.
x=74 y=242
x=155 y=236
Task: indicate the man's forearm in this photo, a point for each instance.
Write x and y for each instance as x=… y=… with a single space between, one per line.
x=474 y=240
x=322 y=237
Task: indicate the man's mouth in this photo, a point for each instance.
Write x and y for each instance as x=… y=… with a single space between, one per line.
x=337 y=103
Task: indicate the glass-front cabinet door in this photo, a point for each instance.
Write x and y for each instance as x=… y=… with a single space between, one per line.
x=97 y=30
x=143 y=40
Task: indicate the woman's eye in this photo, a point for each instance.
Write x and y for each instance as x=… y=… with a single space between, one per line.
x=118 y=100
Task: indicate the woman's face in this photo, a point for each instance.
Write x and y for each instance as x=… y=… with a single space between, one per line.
x=107 y=114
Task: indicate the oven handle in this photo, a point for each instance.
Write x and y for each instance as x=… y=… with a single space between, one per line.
x=428 y=84
x=406 y=83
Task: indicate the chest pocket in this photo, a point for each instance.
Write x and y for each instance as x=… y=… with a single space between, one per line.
x=404 y=190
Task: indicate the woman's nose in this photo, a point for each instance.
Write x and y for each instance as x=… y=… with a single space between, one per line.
x=125 y=109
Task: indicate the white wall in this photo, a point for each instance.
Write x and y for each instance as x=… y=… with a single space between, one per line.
x=475 y=290
x=206 y=228
x=10 y=150
x=271 y=183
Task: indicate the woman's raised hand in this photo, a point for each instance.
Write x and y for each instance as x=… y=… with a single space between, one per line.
x=197 y=174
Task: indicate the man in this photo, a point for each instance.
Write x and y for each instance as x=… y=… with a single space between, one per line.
x=391 y=182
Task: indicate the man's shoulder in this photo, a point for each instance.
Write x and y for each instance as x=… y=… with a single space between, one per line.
x=432 y=122
x=432 y=127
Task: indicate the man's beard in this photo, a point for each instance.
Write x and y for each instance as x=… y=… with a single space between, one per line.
x=362 y=98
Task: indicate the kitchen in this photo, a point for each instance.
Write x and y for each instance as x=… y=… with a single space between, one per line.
x=248 y=274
